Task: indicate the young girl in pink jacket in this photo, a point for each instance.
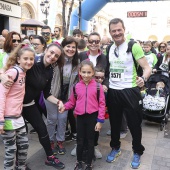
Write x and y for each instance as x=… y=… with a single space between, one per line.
x=12 y=125
x=88 y=109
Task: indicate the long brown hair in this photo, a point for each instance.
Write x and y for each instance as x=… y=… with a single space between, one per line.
x=8 y=45
x=18 y=51
x=164 y=43
x=60 y=61
x=167 y=54
x=69 y=40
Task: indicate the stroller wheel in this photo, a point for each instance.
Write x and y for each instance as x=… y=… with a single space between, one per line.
x=161 y=128
x=162 y=125
x=166 y=118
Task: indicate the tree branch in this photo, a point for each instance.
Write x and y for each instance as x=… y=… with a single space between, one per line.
x=69 y=15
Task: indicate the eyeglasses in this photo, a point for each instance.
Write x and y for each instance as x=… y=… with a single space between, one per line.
x=116 y=52
x=94 y=41
x=14 y=41
x=45 y=33
x=98 y=77
x=35 y=45
x=162 y=46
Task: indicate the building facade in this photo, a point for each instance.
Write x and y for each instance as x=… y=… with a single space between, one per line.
x=30 y=9
x=10 y=15
x=155 y=25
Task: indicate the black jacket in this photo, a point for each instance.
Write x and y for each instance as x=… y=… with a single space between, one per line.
x=101 y=59
x=159 y=62
x=38 y=79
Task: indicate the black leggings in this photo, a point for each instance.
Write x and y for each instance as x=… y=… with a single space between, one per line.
x=33 y=116
x=126 y=101
x=71 y=119
x=85 y=131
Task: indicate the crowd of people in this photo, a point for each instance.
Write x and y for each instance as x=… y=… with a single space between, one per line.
x=73 y=81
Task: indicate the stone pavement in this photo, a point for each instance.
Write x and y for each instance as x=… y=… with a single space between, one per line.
x=156 y=156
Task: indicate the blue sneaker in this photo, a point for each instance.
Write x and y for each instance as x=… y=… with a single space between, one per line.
x=135 y=164
x=113 y=155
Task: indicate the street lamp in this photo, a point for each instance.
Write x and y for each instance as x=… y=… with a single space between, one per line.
x=45 y=9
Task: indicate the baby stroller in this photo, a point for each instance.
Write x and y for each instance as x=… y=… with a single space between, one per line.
x=157 y=110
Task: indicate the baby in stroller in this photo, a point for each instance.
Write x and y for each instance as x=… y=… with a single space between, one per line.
x=160 y=89
x=155 y=98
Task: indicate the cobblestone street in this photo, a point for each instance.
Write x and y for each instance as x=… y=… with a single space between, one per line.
x=156 y=156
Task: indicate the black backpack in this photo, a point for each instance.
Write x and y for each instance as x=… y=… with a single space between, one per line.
x=139 y=69
x=16 y=78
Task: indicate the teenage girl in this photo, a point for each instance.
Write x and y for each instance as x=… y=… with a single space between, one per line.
x=88 y=109
x=12 y=126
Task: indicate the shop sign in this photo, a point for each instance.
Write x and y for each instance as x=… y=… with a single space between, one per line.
x=10 y=9
x=134 y=14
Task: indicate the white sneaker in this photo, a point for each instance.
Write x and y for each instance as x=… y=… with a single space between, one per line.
x=97 y=153
x=73 y=152
x=123 y=135
x=109 y=132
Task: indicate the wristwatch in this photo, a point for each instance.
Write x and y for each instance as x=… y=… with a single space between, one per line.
x=144 y=79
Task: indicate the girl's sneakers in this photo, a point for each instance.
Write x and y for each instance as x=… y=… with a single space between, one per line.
x=88 y=167
x=78 y=166
x=60 y=147
x=53 y=161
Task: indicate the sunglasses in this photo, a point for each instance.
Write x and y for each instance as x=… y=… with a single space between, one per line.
x=116 y=52
x=98 y=77
x=35 y=44
x=14 y=41
x=45 y=33
x=162 y=46
x=94 y=41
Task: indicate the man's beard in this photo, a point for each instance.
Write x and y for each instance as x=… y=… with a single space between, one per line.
x=57 y=36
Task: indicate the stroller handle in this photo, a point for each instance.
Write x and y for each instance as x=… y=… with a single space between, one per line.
x=160 y=71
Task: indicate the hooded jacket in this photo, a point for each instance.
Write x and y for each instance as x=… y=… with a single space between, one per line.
x=86 y=101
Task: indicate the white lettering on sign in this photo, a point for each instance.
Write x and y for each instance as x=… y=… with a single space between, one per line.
x=132 y=14
x=5 y=7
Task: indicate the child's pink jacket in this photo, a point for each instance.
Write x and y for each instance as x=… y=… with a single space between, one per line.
x=11 y=100
x=86 y=102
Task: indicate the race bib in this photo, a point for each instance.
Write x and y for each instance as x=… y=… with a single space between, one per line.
x=164 y=67
x=117 y=74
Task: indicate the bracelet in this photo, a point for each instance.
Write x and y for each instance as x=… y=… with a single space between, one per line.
x=144 y=79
